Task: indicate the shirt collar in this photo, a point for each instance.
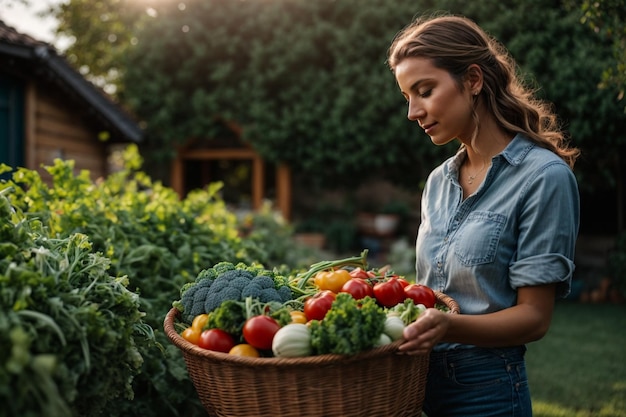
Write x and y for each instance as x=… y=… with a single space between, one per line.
x=514 y=154
x=517 y=149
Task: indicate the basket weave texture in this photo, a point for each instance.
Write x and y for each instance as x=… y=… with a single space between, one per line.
x=378 y=382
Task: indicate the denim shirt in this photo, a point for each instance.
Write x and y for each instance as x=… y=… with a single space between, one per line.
x=518 y=229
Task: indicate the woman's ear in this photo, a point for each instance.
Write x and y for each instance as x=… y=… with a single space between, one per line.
x=474 y=79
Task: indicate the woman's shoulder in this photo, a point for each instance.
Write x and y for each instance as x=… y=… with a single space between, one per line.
x=527 y=154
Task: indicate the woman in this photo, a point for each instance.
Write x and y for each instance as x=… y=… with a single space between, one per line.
x=499 y=218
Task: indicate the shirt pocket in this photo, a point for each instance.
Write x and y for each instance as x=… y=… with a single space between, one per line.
x=478 y=238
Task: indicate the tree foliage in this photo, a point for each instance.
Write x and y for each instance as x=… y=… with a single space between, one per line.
x=101 y=33
x=307 y=81
x=608 y=18
x=308 y=84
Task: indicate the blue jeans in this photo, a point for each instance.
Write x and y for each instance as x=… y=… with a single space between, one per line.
x=478 y=382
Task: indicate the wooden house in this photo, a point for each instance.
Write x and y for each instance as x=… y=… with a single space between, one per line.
x=48 y=110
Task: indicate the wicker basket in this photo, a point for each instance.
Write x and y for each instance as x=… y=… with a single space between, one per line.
x=378 y=382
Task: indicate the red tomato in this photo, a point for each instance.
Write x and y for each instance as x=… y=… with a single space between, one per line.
x=358 y=288
x=259 y=331
x=358 y=272
x=216 y=339
x=404 y=282
x=316 y=307
x=421 y=294
x=389 y=293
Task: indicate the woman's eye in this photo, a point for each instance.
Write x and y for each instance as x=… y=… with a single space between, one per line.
x=426 y=93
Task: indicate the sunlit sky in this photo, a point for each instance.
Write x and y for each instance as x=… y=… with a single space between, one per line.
x=25 y=19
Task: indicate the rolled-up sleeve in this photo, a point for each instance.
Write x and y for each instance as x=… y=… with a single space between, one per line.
x=549 y=222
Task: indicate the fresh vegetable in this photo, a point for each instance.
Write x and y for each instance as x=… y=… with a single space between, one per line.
x=349 y=327
x=402 y=281
x=359 y=261
x=232 y=315
x=244 y=349
x=332 y=280
x=199 y=322
x=226 y=281
x=358 y=288
x=259 y=331
x=191 y=335
x=394 y=326
x=217 y=340
x=383 y=340
x=408 y=311
x=229 y=317
x=316 y=306
x=359 y=272
x=298 y=317
x=390 y=292
x=292 y=340
x=421 y=294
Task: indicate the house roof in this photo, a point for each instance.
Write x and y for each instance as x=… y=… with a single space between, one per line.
x=22 y=54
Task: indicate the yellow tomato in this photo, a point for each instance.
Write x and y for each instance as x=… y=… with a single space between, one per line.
x=244 y=349
x=199 y=322
x=298 y=317
x=332 y=280
x=191 y=335
x=320 y=278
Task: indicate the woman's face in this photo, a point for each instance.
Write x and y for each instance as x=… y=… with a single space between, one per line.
x=435 y=100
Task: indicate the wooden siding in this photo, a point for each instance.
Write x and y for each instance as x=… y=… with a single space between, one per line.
x=59 y=132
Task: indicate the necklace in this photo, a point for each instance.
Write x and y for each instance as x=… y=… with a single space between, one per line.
x=471 y=178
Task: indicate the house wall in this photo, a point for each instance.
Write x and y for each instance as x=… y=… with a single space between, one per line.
x=57 y=131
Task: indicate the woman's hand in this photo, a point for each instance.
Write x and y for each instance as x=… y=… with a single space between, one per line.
x=425 y=332
x=523 y=323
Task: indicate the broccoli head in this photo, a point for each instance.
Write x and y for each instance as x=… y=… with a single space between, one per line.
x=226 y=281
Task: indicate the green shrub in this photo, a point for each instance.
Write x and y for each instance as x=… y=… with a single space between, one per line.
x=159 y=242
x=69 y=331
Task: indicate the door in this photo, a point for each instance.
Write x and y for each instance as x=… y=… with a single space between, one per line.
x=11 y=122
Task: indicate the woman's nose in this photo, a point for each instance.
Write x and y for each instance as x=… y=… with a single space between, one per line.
x=416 y=111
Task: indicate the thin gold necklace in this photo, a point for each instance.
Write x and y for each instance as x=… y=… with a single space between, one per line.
x=471 y=178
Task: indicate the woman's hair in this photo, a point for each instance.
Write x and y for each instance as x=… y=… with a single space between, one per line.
x=453 y=43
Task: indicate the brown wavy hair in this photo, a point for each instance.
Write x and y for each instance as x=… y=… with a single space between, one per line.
x=453 y=43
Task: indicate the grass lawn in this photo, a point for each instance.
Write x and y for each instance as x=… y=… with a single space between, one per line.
x=579 y=368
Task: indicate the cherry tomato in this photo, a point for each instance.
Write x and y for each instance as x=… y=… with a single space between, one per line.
x=216 y=339
x=298 y=317
x=244 y=349
x=389 y=293
x=358 y=288
x=191 y=335
x=421 y=294
x=316 y=307
x=359 y=272
x=259 y=331
x=332 y=280
x=199 y=322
